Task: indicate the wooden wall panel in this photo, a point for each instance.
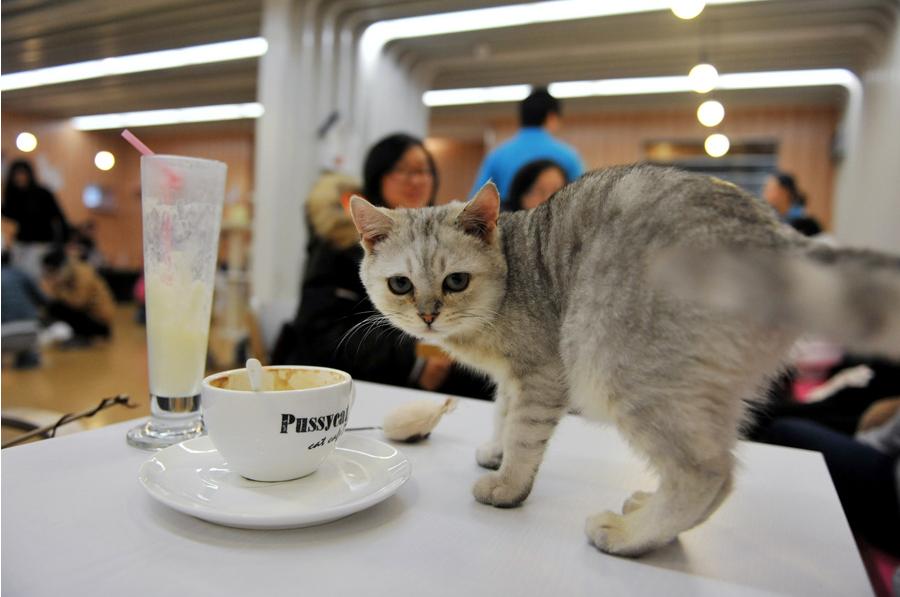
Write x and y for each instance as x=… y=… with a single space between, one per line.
x=457 y=164
x=64 y=162
x=66 y=156
x=803 y=134
x=233 y=148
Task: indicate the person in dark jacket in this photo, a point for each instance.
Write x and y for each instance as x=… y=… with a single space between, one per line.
x=336 y=325
x=40 y=223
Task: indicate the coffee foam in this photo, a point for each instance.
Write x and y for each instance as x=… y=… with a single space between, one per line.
x=279 y=380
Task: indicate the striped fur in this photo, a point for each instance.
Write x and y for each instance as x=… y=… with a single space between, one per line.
x=568 y=309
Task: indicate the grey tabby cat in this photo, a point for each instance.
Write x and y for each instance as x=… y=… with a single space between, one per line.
x=593 y=301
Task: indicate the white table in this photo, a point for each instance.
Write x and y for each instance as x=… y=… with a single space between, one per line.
x=75 y=521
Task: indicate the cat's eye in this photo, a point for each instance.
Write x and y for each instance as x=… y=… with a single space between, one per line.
x=456 y=282
x=399 y=284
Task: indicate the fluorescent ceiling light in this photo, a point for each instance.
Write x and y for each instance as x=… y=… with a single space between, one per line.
x=476 y=95
x=171 y=116
x=651 y=85
x=632 y=86
x=513 y=15
x=136 y=63
x=761 y=80
x=646 y=86
x=790 y=78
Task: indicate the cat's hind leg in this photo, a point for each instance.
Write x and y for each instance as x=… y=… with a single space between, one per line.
x=690 y=450
x=532 y=415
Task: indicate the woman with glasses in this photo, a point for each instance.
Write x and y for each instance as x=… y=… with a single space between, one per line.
x=336 y=325
x=399 y=172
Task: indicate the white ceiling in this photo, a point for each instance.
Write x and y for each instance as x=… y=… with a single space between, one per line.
x=768 y=35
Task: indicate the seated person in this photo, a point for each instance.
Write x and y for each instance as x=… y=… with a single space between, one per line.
x=78 y=296
x=83 y=246
x=336 y=325
x=842 y=409
x=534 y=183
x=782 y=193
x=20 y=302
x=865 y=471
x=865 y=468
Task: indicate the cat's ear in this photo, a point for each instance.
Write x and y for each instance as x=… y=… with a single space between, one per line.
x=479 y=217
x=372 y=223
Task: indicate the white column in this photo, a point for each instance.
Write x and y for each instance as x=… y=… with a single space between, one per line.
x=394 y=100
x=286 y=160
x=388 y=96
x=867 y=194
x=314 y=65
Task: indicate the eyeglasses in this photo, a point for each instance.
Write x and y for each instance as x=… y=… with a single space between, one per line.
x=409 y=174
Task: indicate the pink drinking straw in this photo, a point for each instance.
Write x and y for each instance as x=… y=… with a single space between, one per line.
x=136 y=143
x=174 y=180
x=173 y=183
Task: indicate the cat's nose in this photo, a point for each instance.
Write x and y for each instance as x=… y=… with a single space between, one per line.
x=429 y=310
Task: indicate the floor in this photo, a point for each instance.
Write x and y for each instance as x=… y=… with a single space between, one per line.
x=70 y=381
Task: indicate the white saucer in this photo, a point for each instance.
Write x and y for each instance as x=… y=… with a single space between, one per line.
x=193 y=478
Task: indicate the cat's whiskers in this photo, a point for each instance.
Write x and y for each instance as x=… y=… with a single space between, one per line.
x=403 y=321
x=373 y=321
x=377 y=325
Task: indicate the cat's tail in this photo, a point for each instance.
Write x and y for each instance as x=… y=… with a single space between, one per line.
x=851 y=296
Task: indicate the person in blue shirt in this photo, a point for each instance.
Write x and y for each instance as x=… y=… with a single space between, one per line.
x=539 y=115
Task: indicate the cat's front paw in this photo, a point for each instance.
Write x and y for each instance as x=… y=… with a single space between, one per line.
x=494 y=490
x=490 y=455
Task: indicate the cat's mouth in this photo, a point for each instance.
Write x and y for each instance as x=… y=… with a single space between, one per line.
x=419 y=329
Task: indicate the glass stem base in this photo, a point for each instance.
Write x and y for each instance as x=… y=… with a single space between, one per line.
x=173 y=420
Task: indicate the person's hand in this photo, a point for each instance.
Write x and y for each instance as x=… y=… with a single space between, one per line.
x=879 y=413
x=435 y=372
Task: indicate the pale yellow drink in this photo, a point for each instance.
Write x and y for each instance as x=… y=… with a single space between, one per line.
x=178 y=312
x=181 y=206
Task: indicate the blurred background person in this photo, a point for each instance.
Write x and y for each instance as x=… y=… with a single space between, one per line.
x=83 y=244
x=331 y=327
x=19 y=307
x=39 y=221
x=534 y=184
x=782 y=193
x=77 y=296
x=540 y=116
x=865 y=469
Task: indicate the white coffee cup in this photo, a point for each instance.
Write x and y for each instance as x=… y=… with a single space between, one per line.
x=285 y=431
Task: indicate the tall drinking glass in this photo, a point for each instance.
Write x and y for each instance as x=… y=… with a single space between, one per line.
x=182 y=211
